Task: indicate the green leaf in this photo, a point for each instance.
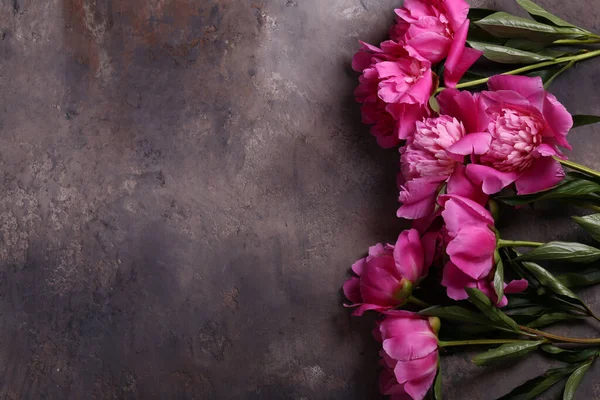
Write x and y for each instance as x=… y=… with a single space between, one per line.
x=482 y=302
x=551 y=318
x=524 y=44
x=508 y=351
x=582 y=120
x=455 y=313
x=437 y=385
x=539 y=14
x=508 y=55
x=565 y=251
x=499 y=279
x=508 y=26
x=548 y=280
x=534 y=387
x=591 y=224
x=531 y=311
x=574 y=381
x=569 y=356
x=571 y=188
x=586 y=277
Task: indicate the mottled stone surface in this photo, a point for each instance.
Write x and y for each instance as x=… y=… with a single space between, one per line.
x=185 y=184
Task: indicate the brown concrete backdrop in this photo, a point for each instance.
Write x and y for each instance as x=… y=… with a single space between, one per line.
x=183 y=187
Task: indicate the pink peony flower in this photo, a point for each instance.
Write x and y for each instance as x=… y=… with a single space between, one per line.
x=387 y=275
x=524 y=124
x=457 y=281
x=429 y=26
x=394 y=88
x=437 y=29
x=410 y=354
x=432 y=157
x=471 y=246
x=472 y=242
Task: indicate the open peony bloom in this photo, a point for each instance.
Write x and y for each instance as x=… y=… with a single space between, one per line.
x=434 y=156
x=387 y=275
x=437 y=29
x=394 y=88
x=456 y=281
x=524 y=124
x=410 y=354
x=472 y=242
x=471 y=247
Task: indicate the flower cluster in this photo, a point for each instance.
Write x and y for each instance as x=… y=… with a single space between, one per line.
x=457 y=149
x=397 y=79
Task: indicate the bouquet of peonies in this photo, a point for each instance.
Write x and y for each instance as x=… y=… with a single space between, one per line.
x=461 y=152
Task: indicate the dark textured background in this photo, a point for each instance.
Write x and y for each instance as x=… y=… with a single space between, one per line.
x=183 y=187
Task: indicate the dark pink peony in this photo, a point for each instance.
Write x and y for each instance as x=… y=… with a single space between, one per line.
x=394 y=88
x=437 y=29
x=520 y=126
x=387 y=275
x=431 y=158
x=410 y=354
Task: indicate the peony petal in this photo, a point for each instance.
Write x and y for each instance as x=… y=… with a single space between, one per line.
x=492 y=181
x=363 y=308
x=455 y=281
x=458 y=10
x=460 y=58
x=467 y=108
x=517 y=286
x=459 y=212
x=420 y=92
x=545 y=150
x=459 y=184
x=472 y=250
x=558 y=118
x=418 y=389
x=418 y=197
x=359 y=266
x=407 y=339
x=429 y=241
x=416 y=369
x=409 y=256
x=432 y=46
x=473 y=143
x=545 y=173
x=407 y=115
x=352 y=290
x=531 y=88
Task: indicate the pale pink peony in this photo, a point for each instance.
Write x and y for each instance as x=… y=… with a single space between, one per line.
x=437 y=29
x=387 y=275
x=394 y=88
x=410 y=354
x=524 y=125
x=432 y=157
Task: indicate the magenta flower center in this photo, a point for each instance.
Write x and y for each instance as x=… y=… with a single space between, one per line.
x=514 y=137
x=426 y=155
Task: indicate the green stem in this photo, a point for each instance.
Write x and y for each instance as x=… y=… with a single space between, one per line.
x=576 y=41
x=477 y=342
x=420 y=303
x=517 y=243
x=557 y=338
x=560 y=60
x=578 y=167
